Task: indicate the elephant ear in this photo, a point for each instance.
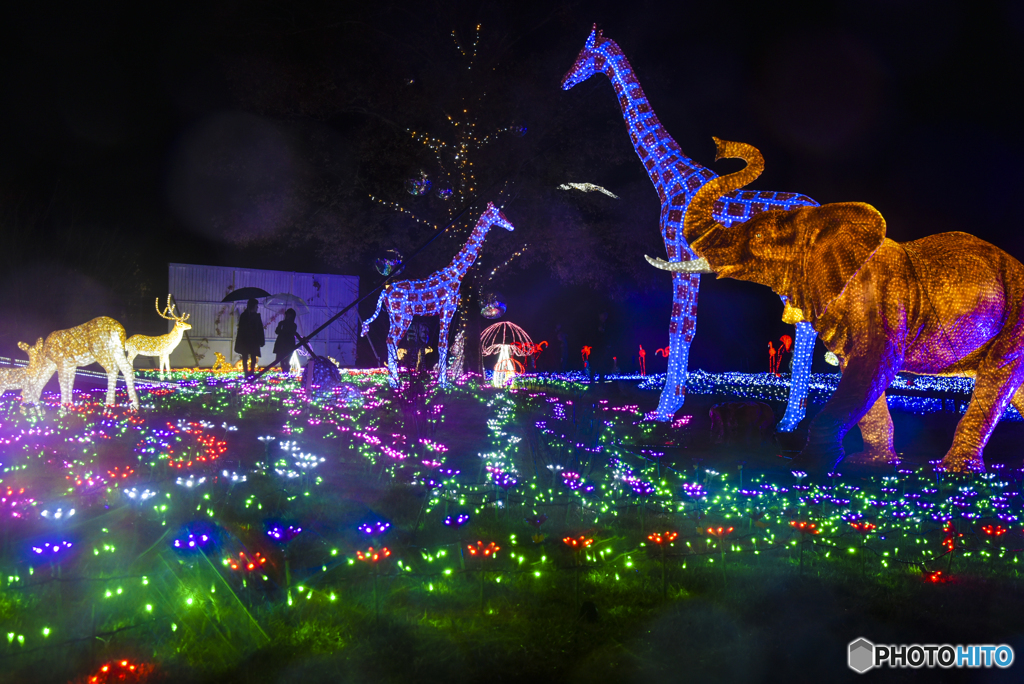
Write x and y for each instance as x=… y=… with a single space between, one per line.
x=838 y=242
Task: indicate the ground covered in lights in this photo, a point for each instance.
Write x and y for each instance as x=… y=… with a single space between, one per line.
x=236 y=532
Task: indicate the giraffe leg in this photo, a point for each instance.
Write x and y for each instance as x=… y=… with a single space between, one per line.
x=876 y=429
x=681 y=330
x=442 y=345
x=803 y=349
x=399 y=325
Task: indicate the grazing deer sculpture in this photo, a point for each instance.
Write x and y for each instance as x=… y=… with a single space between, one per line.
x=101 y=341
x=20 y=376
x=161 y=345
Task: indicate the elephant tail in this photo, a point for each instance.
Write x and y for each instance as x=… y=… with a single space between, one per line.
x=699 y=220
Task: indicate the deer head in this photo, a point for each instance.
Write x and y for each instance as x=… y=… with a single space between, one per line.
x=33 y=351
x=168 y=313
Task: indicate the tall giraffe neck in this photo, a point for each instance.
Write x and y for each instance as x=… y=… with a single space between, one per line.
x=655 y=147
x=467 y=255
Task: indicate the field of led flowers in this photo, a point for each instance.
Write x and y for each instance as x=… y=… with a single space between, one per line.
x=231 y=532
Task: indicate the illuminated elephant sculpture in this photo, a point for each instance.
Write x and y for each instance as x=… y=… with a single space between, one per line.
x=947 y=304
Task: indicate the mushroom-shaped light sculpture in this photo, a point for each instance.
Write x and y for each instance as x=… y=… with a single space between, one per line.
x=507 y=340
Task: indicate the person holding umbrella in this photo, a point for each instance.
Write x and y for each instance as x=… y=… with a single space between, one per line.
x=286 y=333
x=250 y=338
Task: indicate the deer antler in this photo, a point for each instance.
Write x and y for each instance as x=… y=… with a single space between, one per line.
x=169 y=309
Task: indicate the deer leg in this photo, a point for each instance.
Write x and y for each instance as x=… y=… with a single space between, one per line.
x=121 y=363
x=66 y=378
x=111 y=385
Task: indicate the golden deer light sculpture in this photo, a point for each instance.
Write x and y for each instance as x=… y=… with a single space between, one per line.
x=101 y=341
x=19 y=377
x=161 y=345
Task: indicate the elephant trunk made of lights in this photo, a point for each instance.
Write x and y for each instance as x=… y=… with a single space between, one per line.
x=947 y=304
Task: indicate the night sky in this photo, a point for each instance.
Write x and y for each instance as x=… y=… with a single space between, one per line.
x=115 y=116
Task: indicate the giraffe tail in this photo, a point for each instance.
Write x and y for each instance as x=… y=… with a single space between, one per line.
x=366 y=324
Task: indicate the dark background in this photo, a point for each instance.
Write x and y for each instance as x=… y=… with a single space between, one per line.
x=254 y=133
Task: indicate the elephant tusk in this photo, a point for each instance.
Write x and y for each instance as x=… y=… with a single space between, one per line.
x=693 y=266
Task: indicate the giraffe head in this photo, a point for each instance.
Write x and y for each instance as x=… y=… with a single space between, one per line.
x=492 y=216
x=590 y=61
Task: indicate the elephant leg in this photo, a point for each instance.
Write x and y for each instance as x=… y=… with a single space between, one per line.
x=442 y=346
x=999 y=380
x=876 y=429
x=866 y=376
x=1018 y=400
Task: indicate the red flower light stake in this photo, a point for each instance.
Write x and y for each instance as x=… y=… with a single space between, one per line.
x=121 y=671
x=865 y=528
x=663 y=540
x=577 y=545
x=482 y=552
x=372 y=557
x=720 y=533
x=950 y=543
x=806 y=529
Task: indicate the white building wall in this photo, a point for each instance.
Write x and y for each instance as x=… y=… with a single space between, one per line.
x=198 y=290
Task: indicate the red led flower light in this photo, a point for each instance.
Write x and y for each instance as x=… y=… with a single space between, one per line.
x=484 y=551
x=864 y=528
x=663 y=537
x=949 y=542
x=994 y=530
x=372 y=556
x=117 y=473
x=580 y=543
x=244 y=562
x=719 y=532
x=121 y=671
x=805 y=527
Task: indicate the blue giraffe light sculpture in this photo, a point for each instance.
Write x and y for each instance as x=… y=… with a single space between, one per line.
x=437 y=295
x=677 y=178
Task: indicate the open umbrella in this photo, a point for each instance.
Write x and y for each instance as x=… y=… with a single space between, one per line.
x=283 y=301
x=245 y=293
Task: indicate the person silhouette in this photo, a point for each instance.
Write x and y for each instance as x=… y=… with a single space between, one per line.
x=286 y=332
x=250 y=338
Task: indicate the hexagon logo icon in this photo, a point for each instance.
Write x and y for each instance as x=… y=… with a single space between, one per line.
x=861 y=655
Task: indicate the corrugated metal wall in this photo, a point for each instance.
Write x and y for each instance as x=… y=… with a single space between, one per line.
x=198 y=291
